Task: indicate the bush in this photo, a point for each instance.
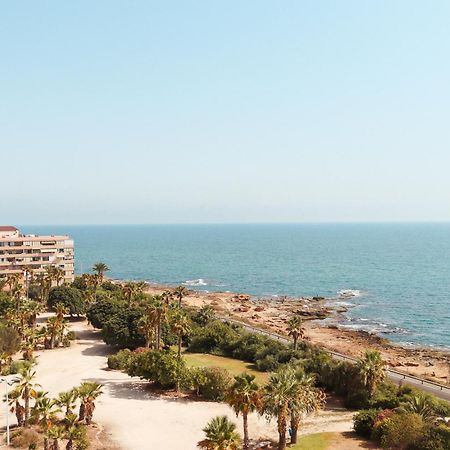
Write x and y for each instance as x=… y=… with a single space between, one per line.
x=216 y=338
x=6 y=303
x=18 y=365
x=71 y=335
x=163 y=367
x=103 y=310
x=9 y=340
x=216 y=383
x=401 y=430
x=25 y=438
x=121 y=330
x=363 y=422
x=70 y=297
x=121 y=360
x=434 y=438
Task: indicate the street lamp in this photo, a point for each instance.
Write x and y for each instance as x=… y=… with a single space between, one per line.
x=7 y=382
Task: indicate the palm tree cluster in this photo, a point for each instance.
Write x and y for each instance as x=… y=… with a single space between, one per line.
x=54 y=416
x=372 y=369
x=288 y=396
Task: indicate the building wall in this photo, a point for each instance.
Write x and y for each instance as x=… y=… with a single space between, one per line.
x=38 y=252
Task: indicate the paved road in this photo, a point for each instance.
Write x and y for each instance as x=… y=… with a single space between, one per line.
x=398 y=378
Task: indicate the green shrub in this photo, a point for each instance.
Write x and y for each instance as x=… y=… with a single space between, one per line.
x=121 y=330
x=401 y=430
x=70 y=297
x=216 y=383
x=18 y=365
x=434 y=438
x=9 y=340
x=268 y=363
x=71 y=335
x=216 y=338
x=163 y=367
x=101 y=311
x=363 y=422
x=121 y=360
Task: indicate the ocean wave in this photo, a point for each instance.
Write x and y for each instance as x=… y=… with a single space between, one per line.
x=350 y=293
x=197 y=282
x=371 y=326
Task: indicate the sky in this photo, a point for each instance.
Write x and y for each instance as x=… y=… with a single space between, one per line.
x=224 y=112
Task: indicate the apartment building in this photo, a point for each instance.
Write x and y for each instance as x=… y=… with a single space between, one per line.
x=19 y=250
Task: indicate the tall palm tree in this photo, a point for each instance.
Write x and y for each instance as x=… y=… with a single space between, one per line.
x=128 y=290
x=308 y=399
x=100 y=268
x=244 y=397
x=278 y=393
x=146 y=328
x=157 y=312
x=295 y=329
x=58 y=275
x=26 y=389
x=180 y=292
x=220 y=435
x=372 y=369
x=88 y=392
x=180 y=325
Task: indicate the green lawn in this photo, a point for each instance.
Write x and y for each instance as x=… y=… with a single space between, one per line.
x=234 y=366
x=319 y=441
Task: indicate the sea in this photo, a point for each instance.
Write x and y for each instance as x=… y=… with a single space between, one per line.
x=393 y=278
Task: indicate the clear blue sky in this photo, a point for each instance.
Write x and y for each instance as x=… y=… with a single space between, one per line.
x=232 y=111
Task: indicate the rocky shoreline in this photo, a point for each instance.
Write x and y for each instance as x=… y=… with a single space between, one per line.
x=273 y=313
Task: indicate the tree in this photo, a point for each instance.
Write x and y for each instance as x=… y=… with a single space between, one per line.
x=295 y=329
x=69 y=297
x=55 y=432
x=372 y=370
x=157 y=312
x=180 y=325
x=204 y=315
x=220 y=435
x=67 y=400
x=9 y=340
x=278 y=393
x=88 y=392
x=244 y=397
x=308 y=399
x=100 y=268
x=147 y=329
x=420 y=404
x=26 y=390
x=46 y=410
x=180 y=292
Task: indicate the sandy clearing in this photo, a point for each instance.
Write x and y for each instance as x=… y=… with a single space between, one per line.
x=135 y=418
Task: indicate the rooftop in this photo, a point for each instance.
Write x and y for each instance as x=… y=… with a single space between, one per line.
x=7 y=228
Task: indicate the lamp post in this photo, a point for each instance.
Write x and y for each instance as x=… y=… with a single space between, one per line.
x=7 y=383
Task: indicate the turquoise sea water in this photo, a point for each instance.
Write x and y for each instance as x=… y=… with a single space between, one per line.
x=402 y=271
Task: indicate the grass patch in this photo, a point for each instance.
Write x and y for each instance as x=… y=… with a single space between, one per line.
x=318 y=441
x=234 y=366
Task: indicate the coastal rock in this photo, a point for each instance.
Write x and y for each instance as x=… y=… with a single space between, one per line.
x=411 y=364
x=259 y=309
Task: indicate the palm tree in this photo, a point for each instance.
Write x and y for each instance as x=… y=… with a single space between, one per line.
x=157 y=312
x=180 y=292
x=58 y=275
x=46 y=410
x=67 y=400
x=73 y=432
x=244 y=397
x=420 y=404
x=55 y=432
x=295 y=329
x=88 y=392
x=26 y=390
x=308 y=399
x=205 y=314
x=100 y=268
x=180 y=325
x=14 y=402
x=372 y=370
x=128 y=290
x=220 y=435
x=146 y=328
x=278 y=393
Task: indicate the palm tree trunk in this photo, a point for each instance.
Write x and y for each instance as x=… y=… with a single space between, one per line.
x=295 y=343
x=158 y=336
x=55 y=444
x=294 y=429
x=82 y=412
x=45 y=443
x=69 y=445
x=26 y=397
x=179 y=347
x=282 y=429
x=246 y=438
